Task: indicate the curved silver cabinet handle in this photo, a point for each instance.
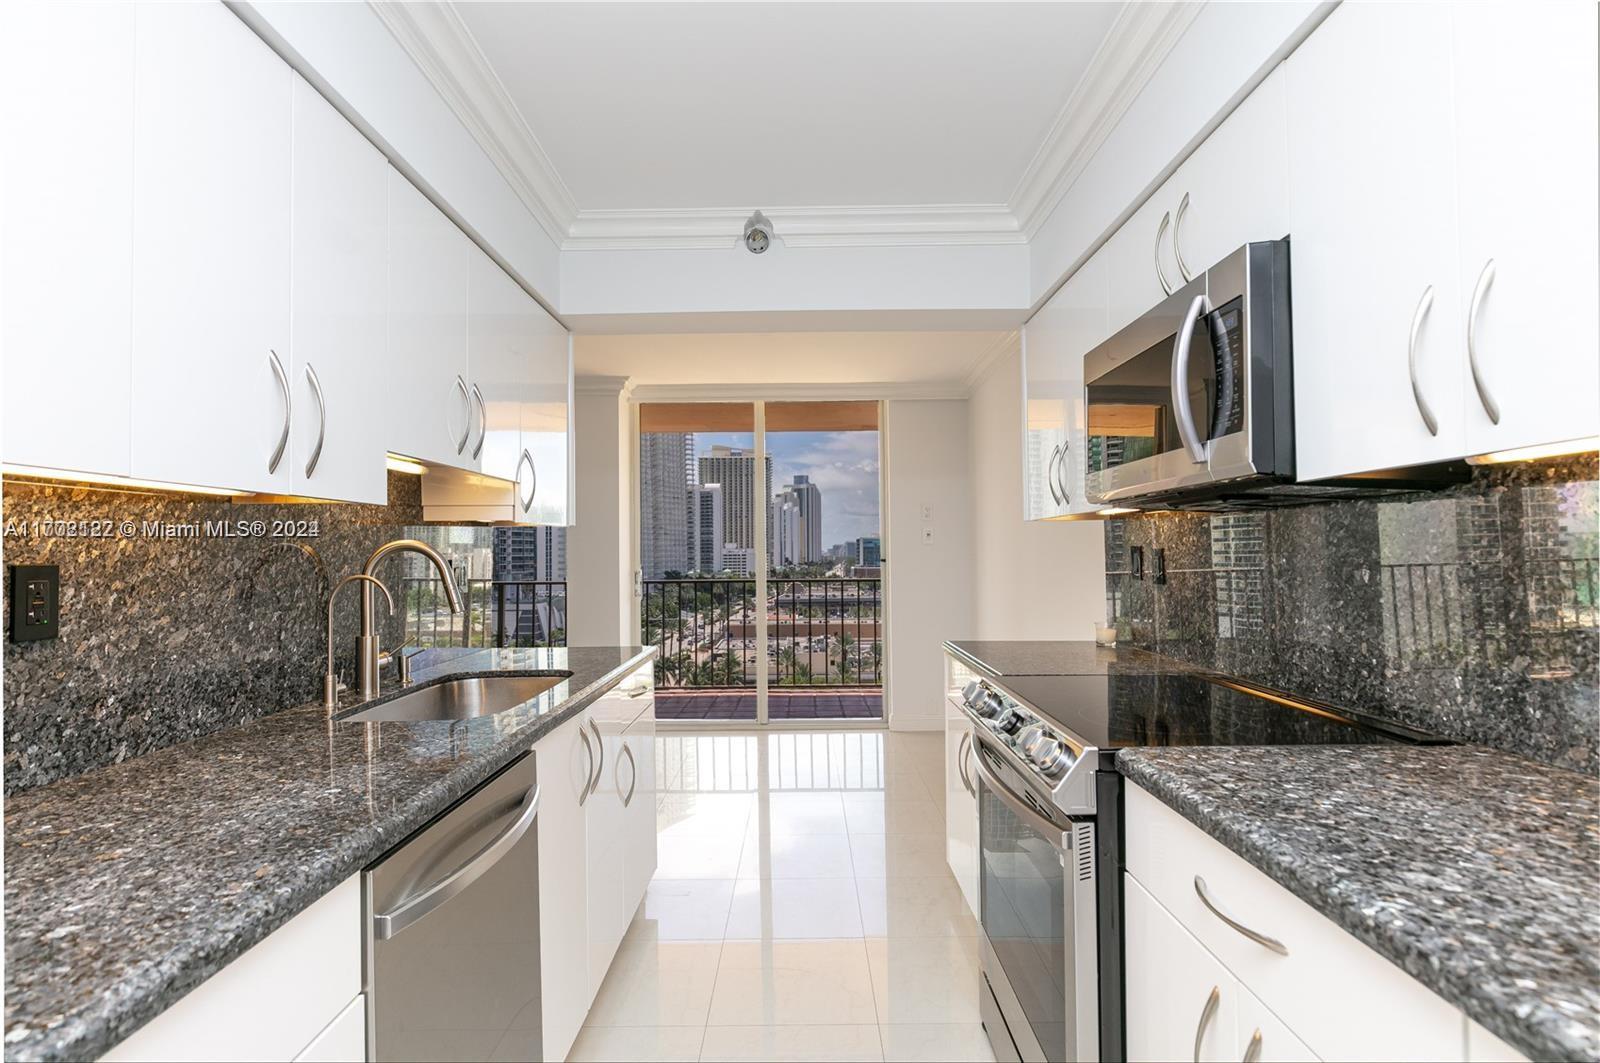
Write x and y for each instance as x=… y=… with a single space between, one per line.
x=1252 y=1051
x=283 y=386
x=1050 y=473
x=1479 y=290
x=1180 y=381
x=483 y=421
x=322 y=419
x=1061 y=474
x=1177 y=233
x=1207 y=1013
x=1423 y=408
x=588 y=754
x=1259 y=938
x=533 y=486
x=420 y=904
x=466 y=411
x=633 y=781
x=600 y=765
x=1161 y=274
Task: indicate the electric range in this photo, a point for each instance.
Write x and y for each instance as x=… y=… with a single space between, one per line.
x=1050 y=832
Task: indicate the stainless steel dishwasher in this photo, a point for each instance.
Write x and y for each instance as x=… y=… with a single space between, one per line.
x=453 y=931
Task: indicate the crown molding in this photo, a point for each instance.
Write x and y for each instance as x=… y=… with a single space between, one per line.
x=698 y=229
x=433 y=34
x=1140 y=39
x=991 y=358
x=586 y=384
x=436 y=39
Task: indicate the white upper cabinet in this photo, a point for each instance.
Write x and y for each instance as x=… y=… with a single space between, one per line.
x=500 y=335
x=1234 y=189
x=211 y=176
x=1526 y=115
x=1071 y=324
x=431 y=410
x=545 y=483
x=339 y=302
x=1372 y=197
x=1139 y=264
x=66 y=260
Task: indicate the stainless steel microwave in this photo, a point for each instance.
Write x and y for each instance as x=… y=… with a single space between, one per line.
x=1192 y=405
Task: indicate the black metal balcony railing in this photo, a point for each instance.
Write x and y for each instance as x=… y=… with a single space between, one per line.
x=495 y=613
x=823 y=632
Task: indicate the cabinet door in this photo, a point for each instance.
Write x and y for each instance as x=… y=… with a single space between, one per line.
x=1372 y=181
x=66 y=262
x=500 y=341
x=426 y=382
x=960 y=804
x=547 y=426
x=211 y=182
x=1170 y=982
x=565 y=766
x=1262 y=1036
x=1132 y=256
x=1044 y=417
x=606 y=844
x=1526 y=115
x=1236 y=183
x=639 y=813
x=339 y=299
x=344 y=1040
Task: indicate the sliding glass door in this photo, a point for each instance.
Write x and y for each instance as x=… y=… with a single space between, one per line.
x=761 y=560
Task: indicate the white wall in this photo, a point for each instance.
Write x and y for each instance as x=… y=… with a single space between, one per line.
x=1033 y=580
x=929 y=585
x=600 y=544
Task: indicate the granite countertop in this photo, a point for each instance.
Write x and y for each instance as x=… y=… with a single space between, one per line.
x=127 y=887
x=1476 y=872
x=1000 y=659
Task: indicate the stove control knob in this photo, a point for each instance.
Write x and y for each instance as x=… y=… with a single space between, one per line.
x=971 y=694
x=1030 y=737
x=1049 y=755
x=993 y=705
x=1010 y=723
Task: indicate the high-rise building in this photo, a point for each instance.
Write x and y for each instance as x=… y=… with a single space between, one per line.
x=786 y=531
x=808 y=499
x=706 y=536
x=664 y=476
x=523 y=558
x=738 y=560
x=869 y=551
x=530 y=554
x=734 y=469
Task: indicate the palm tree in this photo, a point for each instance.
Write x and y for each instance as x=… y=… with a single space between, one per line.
x=841 y=667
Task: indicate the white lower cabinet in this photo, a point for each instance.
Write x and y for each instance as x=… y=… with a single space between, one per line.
x=1301 y=999
x=296 y=994
x=1181 y=1002
x=960 y=802
x=597 y=847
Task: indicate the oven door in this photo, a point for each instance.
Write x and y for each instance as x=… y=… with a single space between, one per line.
x=1039 y=926
x=1167 y=395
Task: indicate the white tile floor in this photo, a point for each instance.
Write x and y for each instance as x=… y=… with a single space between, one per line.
x=802 y=909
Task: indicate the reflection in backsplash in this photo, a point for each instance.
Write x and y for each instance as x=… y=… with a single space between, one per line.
x=1471 y=613
x=164 y=639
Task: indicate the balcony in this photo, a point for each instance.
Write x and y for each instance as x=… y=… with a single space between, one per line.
x=824 y=647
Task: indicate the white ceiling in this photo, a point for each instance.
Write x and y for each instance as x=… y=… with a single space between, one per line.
x=674 y=106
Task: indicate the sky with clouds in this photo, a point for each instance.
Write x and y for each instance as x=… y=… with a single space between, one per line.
x=843 y=465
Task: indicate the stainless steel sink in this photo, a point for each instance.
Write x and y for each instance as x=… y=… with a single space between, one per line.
x=459 y=699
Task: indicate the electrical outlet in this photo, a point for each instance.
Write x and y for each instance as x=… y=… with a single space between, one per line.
x=1158 y=565
x=35 y=602
x=1136 y=562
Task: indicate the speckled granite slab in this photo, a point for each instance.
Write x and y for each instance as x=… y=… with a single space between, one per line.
x=1059 y=658
x=127 y=887
x=1476 y=872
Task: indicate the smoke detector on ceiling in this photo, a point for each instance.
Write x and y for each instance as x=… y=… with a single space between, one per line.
x=758 y=233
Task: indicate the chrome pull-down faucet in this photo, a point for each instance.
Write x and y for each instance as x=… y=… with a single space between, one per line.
x=330 y=681
x=367 y=650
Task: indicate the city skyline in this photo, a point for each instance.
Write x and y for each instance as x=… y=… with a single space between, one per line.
x=843 y=466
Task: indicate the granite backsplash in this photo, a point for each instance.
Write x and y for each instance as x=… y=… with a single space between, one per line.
x=165 y=639
x=1470 y=613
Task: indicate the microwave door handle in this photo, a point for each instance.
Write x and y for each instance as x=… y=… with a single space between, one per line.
x=1180 y=381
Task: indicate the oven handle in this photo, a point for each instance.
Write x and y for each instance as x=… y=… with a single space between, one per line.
x=1180 y=381
x=1052 y=833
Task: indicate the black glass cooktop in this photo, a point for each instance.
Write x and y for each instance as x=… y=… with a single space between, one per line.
x=1114 y=711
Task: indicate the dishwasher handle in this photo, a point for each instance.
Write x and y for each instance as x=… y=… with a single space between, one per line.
x=421 y=903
